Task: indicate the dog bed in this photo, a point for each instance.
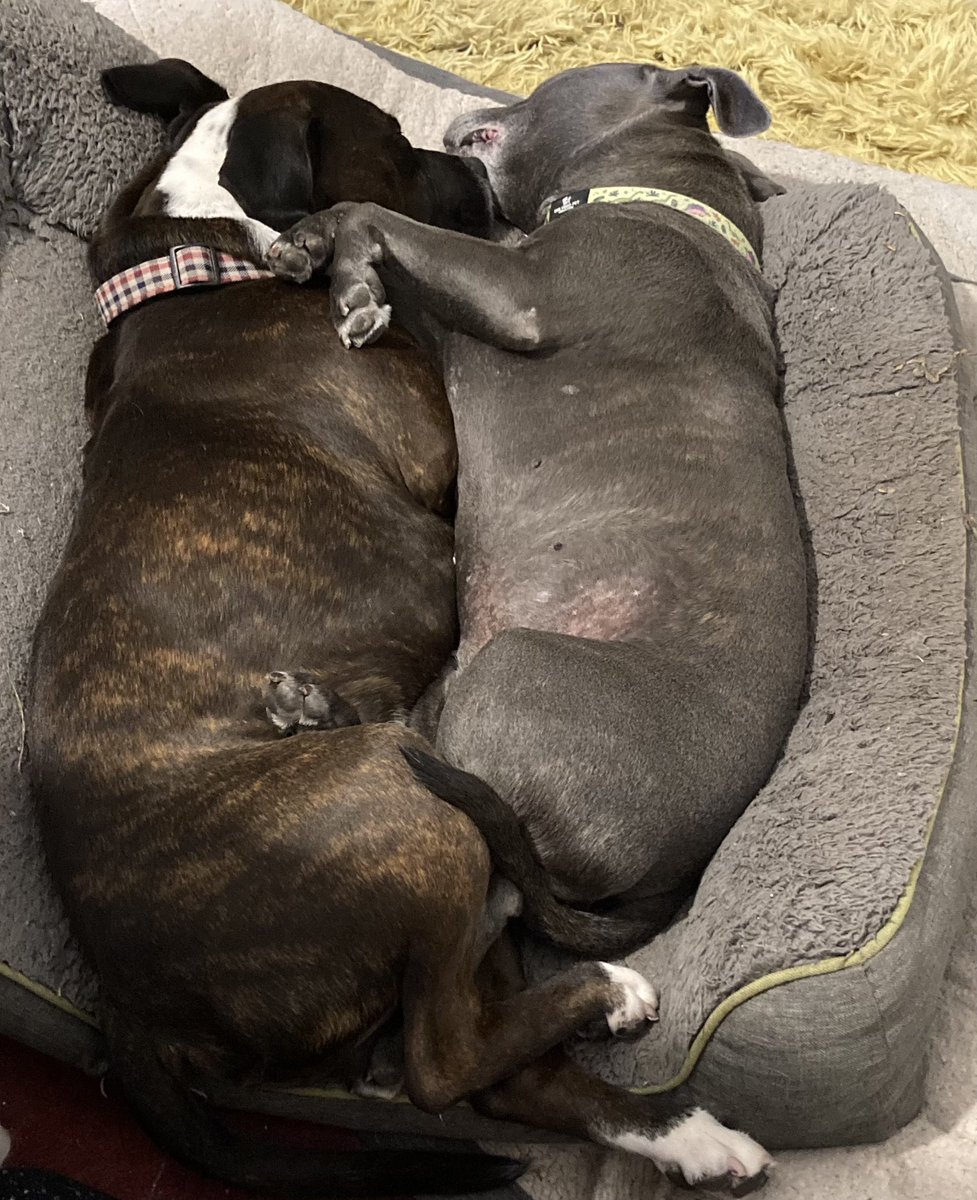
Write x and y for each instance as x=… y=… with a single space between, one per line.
x=800 y=984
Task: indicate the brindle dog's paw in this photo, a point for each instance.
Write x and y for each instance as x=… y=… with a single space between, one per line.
x=359 y=312
x=699 y=1152
x=383 y=1078
x=296 y=700
x=303 y=248
x=633 y=1008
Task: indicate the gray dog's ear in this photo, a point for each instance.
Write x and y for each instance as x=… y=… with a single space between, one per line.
x=739 y=110
x=761 y=186
x=169 y=88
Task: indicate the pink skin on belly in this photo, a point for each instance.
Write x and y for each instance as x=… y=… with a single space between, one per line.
x=608 y=610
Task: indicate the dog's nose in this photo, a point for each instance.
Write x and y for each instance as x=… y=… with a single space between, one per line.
x=276 y=677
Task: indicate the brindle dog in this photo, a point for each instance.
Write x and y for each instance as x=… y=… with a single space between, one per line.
x=256 y=497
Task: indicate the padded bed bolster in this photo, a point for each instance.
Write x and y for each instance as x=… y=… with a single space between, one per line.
x=799 y=987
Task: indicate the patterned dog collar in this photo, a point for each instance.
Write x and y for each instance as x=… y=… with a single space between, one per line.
x=183 y=267
x=686 y=204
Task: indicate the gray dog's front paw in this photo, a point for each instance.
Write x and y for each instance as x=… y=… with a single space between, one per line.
x=360 y=313
x=303 y=248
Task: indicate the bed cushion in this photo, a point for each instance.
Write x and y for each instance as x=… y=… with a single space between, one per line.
x=799 y=986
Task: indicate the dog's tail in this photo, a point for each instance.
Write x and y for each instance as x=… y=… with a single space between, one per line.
x=602 y=935
x=186 y=1127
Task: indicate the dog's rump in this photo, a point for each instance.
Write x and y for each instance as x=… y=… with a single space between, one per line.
x=613 y=934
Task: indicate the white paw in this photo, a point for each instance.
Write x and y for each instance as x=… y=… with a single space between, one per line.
x=700 y=1149
x=369 y=1089
x=636 y=1005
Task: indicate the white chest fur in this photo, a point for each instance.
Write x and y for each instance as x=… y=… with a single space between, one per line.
x=191 y=179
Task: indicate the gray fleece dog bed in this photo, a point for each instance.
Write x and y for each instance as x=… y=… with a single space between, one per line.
x=798 y=987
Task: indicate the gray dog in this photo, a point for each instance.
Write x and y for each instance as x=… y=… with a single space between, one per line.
x=632 y=579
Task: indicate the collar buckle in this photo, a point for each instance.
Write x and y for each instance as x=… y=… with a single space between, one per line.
x=194 y=266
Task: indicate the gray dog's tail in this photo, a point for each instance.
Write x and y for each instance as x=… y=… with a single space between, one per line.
x=594 y=935
x=187 y=1128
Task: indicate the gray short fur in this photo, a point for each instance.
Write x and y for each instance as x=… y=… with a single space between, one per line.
x=818 y=863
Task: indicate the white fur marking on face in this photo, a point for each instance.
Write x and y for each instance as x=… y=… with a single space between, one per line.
x=699 y=1146
x=639 y=1001
x=4 y=1144
x=191 y=179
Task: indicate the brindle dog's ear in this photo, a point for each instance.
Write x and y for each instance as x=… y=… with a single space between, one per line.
x=169 y=88
x=458 y=192
x=739 y=110
x=761 y=186
x=268 y=167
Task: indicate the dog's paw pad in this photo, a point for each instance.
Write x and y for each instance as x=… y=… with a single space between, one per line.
x=364 y=325
x=289 y=261
x=295 y=700
x=699 y=1152
x=634 y=1003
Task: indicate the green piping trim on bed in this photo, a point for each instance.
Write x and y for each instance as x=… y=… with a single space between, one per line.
x=828 y=966
x=46 y=993
x=766 y=983
x=757 y=987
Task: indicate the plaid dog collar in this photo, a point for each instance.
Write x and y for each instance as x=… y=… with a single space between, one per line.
x=183 y=267
x=686 y=204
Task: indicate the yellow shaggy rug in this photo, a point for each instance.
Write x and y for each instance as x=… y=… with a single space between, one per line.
x=887 y=81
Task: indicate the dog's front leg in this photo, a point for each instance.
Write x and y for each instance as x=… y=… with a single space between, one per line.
x=686 y=1143
x=489 y=291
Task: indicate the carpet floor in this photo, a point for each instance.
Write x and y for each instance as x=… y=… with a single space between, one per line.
x=884 y=81
x=60 y=1119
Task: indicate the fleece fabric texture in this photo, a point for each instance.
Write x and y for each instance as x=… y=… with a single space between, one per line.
x=64 y=150
x=63 y=153
x=818 y=864
x=819 y=860
x=886 y=81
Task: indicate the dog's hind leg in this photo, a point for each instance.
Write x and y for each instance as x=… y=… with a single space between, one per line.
x=426 y=713
x=384 y=1074
x=459 y=1038
x=686 y=1143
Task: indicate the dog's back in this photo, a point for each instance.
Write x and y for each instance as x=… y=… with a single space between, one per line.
x=247 y=504
x=254 y=498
